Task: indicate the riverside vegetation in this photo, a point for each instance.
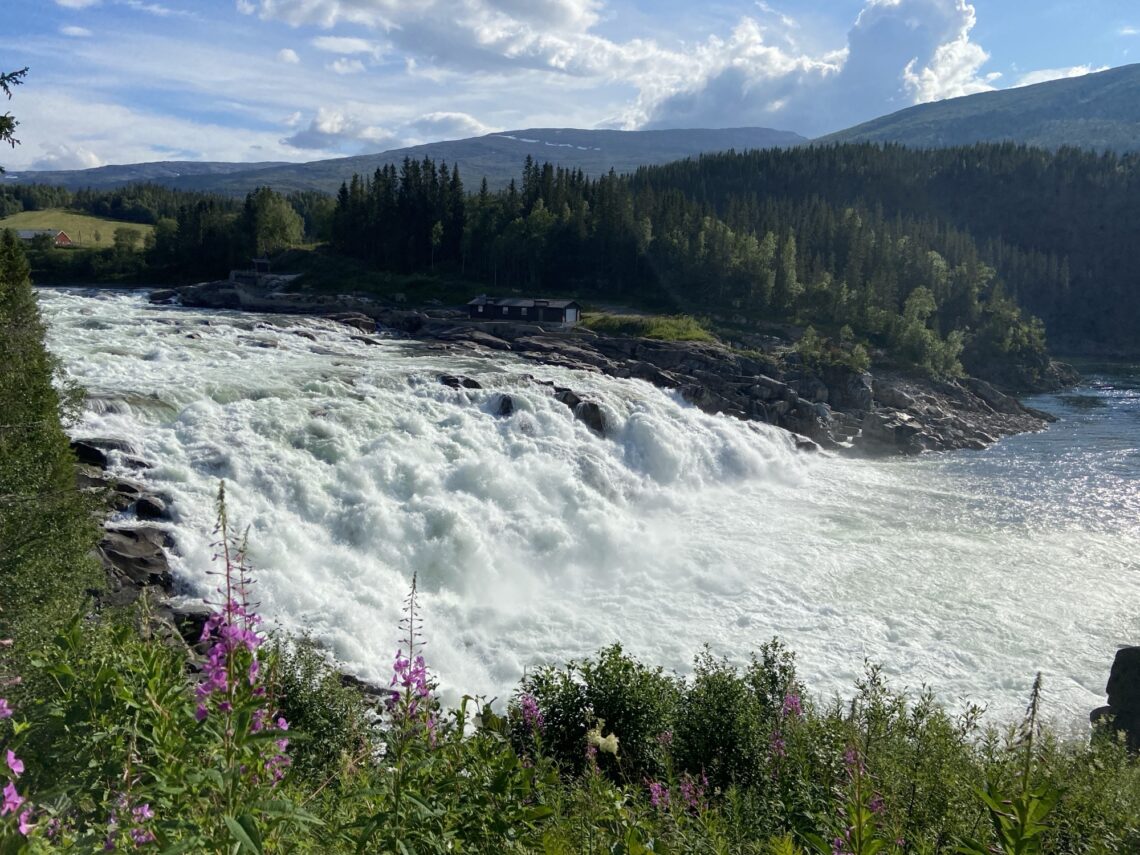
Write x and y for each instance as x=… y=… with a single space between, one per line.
x=115 y=737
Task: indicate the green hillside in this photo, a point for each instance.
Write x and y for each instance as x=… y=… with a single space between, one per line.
x=1098 y=111
x=83 y=229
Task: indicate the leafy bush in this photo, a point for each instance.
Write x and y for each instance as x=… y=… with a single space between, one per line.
x=614 y=694
x=661 y=327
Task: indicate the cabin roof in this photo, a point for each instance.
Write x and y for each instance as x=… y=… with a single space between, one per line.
x=522 y=302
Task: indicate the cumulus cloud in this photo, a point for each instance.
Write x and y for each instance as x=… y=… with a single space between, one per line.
x=898 y=52
x=443 y=125
x=333 y=130
x=63 y=156
x=288 y=55
x=75 y=32
x=1044 y=75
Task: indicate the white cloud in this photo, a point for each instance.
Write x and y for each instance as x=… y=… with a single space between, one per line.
x=75 y=32
x=954 y=69
x=336 y=130
x=345 y=45
x=1044 y=75
x=63 y=156
x=77 y=4
x=1128 y=31
x=288 y=55
x=344 y=65
x=445 y=125
x=156 y=9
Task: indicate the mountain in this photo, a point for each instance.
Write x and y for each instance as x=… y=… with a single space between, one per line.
x=1098 y=111
x=104 y=177
x=498 y=157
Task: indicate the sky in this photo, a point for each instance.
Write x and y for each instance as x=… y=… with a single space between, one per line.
x=128 y=81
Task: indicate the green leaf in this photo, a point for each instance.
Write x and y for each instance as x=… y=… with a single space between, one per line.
x=244 y=832
x=178 y=848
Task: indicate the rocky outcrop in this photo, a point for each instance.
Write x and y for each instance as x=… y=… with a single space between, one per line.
x=834 y=407
x=1122 y=715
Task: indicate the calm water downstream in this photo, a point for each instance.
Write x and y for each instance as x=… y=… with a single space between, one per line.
x=536 y=540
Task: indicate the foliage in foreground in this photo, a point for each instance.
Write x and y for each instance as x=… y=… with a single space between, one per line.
x=266 y=750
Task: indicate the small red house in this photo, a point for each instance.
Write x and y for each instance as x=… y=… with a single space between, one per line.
x=58 y=237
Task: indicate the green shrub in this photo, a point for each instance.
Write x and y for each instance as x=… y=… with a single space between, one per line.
x=661 y=327
x=615 y=693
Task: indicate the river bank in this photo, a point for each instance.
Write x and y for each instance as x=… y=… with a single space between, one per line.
x=832 y=406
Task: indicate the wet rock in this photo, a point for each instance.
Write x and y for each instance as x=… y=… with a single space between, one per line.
x=137 y=555
x=163 y=295
x=1122 y=715
x=592 y=416
x=503 y=406
x=356 y=320
x=94 y=450
x=151 y=508
x=567 y=397
x=458 y=381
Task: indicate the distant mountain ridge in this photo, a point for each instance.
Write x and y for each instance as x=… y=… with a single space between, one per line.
x=1098 y=111
x=498 y=157
x=102 y=177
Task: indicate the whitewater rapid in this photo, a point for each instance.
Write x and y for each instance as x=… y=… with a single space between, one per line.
x=536 y=540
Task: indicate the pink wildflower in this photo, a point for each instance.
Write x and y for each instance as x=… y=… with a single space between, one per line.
x=15 y=763
x=24 y=824
x=5 y=709
x=12 y=800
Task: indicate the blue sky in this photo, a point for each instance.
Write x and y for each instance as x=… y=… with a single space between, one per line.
x=123 y=81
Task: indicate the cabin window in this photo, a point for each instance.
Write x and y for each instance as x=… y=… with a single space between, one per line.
x=480 y=310
x=524 y=312
x=504 y=310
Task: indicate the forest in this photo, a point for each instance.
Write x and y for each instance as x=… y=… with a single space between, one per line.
x=966 y=259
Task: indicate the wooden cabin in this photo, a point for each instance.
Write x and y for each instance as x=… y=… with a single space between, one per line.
x=565 y=313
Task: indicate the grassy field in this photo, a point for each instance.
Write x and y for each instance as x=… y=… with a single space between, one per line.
x=84 y=229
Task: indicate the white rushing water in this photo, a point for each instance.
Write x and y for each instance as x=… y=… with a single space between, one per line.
x=536 y=540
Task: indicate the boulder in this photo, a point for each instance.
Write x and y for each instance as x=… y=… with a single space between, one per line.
x=1122 y=715
x=151 y=508
x=592 y=416
x=567 y=397
x=163 y=295
x=503 y=405
x=137 y=555
x=458 y=381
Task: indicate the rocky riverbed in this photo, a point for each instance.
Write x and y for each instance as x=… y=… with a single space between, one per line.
x=833 y=407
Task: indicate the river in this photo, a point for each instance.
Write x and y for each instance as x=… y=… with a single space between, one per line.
x=536 y=540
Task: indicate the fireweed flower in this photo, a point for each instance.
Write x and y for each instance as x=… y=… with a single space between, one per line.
x=693 y=791
x=12 y=800
x=658 y=795
x=24 y=825
x=531 y=714
x=776 y=745
x=5 y=709
x=792 y=706
x=877 y=805
x=15 y=763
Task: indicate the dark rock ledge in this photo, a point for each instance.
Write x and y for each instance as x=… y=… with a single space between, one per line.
x=887 y=413
x=135 y=546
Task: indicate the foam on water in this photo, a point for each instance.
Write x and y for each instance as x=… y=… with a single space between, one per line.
x=536 y=540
